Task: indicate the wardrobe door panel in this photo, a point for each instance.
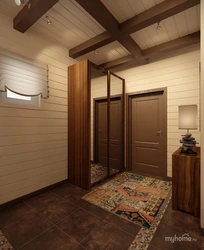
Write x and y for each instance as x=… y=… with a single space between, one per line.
x=79 y=124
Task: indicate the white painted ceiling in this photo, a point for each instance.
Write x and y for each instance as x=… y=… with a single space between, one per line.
x=72 y=25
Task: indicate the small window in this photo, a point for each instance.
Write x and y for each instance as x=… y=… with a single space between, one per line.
x=10 y=97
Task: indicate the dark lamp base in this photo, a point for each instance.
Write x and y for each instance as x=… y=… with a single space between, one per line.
x=188 y=152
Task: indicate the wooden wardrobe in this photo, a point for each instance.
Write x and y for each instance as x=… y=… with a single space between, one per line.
x=79 y=121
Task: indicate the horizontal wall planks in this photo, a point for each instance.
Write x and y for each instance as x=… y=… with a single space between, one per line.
x=34 y=147
x=17 y=112
x=33 y=142
x=20 y=176
x=29 y=139
x=18 y=168
x=27 y=156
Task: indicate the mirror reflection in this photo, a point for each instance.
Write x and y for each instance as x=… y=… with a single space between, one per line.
x=99 y=124
x=116 y=147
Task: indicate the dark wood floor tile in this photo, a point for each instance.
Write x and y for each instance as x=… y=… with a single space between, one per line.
x=52 y=239
x=76 y=198
x=107 y=237
x=97 y=211
x=182 y=220
x=14 y=213
x=58 y=211
x=29 y=226
x=123 y=224
x=79 y=224
x=150 y=247
x=65 y=190
x=79 y=247
x=166 y=230
x=43 y=199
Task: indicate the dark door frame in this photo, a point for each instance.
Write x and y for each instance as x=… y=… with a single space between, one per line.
x=129 y=97
x=96 y=101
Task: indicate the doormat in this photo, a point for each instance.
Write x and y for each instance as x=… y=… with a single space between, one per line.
x=4 y=244
x=133 y=197
x=99 y=172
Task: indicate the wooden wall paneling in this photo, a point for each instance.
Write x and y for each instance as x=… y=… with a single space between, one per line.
x=32 y=143
x=79 y=124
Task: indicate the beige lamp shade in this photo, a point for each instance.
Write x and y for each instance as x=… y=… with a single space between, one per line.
x=187 y=117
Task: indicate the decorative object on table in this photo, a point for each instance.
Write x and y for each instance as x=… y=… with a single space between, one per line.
x=187 y=120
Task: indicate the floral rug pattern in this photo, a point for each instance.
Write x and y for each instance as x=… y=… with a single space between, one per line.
x=4 y=244
x=99 y=172
x=133 y=197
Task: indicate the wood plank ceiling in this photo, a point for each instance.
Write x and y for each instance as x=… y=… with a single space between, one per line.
x=111 y=32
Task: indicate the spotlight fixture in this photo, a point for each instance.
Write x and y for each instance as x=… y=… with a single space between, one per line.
x=19 y=2
x=96 y=52
x=159 y=27
x=48 y=20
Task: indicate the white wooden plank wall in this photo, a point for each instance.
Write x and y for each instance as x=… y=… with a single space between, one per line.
x=180 y=74
x=33 y=143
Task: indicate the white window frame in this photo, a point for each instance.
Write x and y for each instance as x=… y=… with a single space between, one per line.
x=34 y=102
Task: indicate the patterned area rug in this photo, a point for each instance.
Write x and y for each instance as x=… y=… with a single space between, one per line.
x=133 y=197
x=99 y=173
x=4 y=244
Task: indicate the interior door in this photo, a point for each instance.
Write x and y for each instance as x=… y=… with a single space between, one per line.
x=115 y=133
x=148 y=134
x=101 y=133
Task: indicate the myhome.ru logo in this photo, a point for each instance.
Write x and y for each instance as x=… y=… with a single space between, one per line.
x=184 y=237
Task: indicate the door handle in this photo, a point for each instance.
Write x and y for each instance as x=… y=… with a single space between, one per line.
x=100 y=130
x=159 y=133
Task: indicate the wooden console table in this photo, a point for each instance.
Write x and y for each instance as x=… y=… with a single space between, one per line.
x=186 y=182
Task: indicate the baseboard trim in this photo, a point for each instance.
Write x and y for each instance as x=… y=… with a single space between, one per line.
x=30 y=195
x=164 y=178
x=168 y=178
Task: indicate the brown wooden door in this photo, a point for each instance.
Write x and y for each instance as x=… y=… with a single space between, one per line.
x=148 y=135
x=115 y=133
x=101 y=133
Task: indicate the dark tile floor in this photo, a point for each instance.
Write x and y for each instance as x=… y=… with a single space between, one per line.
x=60 y=219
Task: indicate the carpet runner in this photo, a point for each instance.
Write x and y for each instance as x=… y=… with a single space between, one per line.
x=139 y=199
x=4 y=244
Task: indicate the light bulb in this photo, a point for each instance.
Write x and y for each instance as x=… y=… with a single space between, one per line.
x=18 y=2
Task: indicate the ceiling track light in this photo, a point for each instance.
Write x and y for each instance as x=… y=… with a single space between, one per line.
x=48 y=20
x=19 y=2
x=159 y=27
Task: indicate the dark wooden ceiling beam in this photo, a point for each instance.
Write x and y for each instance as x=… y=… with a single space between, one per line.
x=155 y=14
x=28 y=16
x=175 y=44
x=118 y=62
x=91 y=45
x=158 y=50
x=143 y=20
x=103 y=16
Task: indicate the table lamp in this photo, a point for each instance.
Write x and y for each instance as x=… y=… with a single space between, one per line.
x=187 y=120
